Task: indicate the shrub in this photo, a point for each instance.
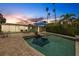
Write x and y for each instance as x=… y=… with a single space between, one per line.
x=63 y=29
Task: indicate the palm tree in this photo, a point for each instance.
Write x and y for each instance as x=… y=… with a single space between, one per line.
x=47 y=9
x=54 y=10
x=48 y=14
x=2 y=21
x=67 y=18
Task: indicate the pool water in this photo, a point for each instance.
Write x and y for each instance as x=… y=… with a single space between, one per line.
x=58 y=46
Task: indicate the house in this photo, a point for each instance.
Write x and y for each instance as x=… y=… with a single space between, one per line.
x=9 y=27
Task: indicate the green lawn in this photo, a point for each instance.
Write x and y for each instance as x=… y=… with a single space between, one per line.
x=58 y=46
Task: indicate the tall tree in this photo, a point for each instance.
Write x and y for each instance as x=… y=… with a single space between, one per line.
x=48 y=15
x=2 y=21
x=47 y=10
x=54 y=11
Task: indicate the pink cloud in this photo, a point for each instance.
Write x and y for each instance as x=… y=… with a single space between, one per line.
x=21 y=19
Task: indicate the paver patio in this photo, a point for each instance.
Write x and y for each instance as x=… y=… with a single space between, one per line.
x=15 y=45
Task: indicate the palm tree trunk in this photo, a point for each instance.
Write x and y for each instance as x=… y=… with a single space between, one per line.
x=55 y=17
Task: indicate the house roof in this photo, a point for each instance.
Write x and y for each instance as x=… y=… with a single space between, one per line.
x=13 y=24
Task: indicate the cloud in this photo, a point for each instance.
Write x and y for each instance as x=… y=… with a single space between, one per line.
x=17 y=19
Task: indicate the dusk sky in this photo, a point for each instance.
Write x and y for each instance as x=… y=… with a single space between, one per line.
x=37 y=9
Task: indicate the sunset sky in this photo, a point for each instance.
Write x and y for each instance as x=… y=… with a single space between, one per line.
x=13 y=11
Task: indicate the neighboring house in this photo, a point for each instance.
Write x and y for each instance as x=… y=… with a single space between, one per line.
x=65 y=22
x=8 y=27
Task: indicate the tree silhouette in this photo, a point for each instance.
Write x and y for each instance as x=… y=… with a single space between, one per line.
x=48 y=14
x=2 y=21
x=54 y=11
x=47 y=9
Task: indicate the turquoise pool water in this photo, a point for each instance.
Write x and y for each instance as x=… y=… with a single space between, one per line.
x=58 y=46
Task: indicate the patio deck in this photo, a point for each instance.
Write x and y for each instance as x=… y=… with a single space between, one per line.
x=14 y=45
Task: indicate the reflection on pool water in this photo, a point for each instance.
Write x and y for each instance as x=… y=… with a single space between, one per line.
x=58 y=46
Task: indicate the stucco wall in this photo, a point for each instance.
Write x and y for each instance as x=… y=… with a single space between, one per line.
x=13 y=28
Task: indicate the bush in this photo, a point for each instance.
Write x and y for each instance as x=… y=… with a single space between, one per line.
x=62 y=29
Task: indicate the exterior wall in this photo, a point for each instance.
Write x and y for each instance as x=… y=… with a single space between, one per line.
x=13 y=28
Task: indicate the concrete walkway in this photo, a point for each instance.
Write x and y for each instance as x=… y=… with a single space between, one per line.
x=15 y=45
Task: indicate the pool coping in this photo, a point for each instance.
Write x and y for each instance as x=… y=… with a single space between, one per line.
x=64 y=36
x=41 y=54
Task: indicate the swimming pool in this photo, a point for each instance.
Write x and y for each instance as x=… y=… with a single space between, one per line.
x=58 y=46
